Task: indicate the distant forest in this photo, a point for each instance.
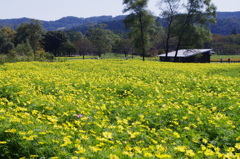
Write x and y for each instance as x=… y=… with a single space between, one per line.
x=227 y=22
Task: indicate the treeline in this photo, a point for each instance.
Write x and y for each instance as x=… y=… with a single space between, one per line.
x=23 y=44
x=226 y=45
x=30 y=41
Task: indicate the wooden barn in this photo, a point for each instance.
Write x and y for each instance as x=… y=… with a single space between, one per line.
x=188 y=55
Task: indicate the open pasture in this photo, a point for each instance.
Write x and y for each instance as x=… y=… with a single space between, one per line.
x=119 y=109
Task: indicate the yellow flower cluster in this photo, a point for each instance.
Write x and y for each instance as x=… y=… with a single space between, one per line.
x=119 y=109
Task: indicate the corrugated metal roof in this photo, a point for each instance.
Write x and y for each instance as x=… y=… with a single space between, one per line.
x=186 y=52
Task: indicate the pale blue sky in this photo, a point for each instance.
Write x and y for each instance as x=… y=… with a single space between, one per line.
x=56 y=9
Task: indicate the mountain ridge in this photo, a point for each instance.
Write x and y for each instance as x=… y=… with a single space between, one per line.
x=226 y=22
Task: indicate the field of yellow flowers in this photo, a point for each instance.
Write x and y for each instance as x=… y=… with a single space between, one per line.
x=116 y=109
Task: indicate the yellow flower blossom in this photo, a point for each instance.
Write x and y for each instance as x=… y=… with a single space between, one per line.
x=137 y=149
x=33 y=156
x=127 y=153
x=80 y=149
x=237 y=146
x=11 y=130
x=190 y=153
x=147 y=154
x=209 y=152
x=163 y=156
x=113 y=156
x=176 y=134
x=107 y=135
x=180 y=148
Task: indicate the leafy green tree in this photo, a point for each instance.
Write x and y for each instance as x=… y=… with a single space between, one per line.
x=101 y=39
x=124 y=46
x=67 y=49
x=74 y=36
x=6 y=43
x=196 y=37
x=138 y=21
x=22 y=52
x=53 y=40
x=83 y=47
x=9 y=32
x=32 y=32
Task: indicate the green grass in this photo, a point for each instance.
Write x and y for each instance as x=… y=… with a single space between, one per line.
x=224 y=56
x=216 y=58
x=107 y=56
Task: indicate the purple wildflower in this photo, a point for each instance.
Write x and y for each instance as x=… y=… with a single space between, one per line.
x=79 y=115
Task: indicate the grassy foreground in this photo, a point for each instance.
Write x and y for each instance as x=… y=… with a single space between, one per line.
x=119 y=109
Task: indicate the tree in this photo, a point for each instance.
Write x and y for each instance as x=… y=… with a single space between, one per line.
x=138 y=21
x=9 y=32
x=53 y=40
x=75 y=36
x=184 y=18
x=31 y=32
x=124 y=46
x=83 y=47
x=67 y=48
x=169 y=10
x=6 y=40
x=101 y=39
x=196 y=37
x=22 y=52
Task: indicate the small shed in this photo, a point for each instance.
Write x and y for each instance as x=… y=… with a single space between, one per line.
x=188 y=55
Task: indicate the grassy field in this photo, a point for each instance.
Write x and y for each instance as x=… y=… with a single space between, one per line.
x=108 y=56
x=126 y=109
x=216 y=58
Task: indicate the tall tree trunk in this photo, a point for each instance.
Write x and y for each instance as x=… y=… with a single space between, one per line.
x=184 y=29
x=142 y=37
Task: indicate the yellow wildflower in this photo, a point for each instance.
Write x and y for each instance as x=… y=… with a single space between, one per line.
x=176 y=135
x=113 y=156
x=180 y=148
x=137 y=149
x=231 y=149
x=127 y=153
x=3 y=142
x=161 y=148
x=163 y=156
x=237 y=146
x=148 y=154
x=11 y=130
x=107 y=135
x=209 y=152
x=80 y=149
x=189 y=153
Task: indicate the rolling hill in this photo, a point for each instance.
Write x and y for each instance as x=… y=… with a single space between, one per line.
x=226 y=23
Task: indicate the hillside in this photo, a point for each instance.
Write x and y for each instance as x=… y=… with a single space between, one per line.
x=61 y=24
x=226 y=23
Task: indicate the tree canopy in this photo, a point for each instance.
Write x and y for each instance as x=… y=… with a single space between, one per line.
x=138 y=21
